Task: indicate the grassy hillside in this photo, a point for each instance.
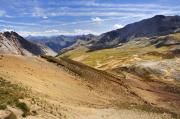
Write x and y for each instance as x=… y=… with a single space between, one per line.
x=140 y=49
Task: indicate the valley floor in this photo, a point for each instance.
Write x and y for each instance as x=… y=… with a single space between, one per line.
x=56 y=93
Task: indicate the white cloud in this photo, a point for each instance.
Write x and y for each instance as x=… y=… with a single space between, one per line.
x=97 y=19
x=84 y=31
x=57 y=32
x=42 y=33
x=6 y=29
x=117 y=26
x=39 y=12
x=52 y=31
x=45 y=17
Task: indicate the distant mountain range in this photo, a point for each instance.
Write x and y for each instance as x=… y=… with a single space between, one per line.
x=37 y=45
x=156 y=26
x=57 y=43
x=13 y=43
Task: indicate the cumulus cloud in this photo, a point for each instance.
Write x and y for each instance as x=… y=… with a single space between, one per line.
x=117 y=26
x=97 y=19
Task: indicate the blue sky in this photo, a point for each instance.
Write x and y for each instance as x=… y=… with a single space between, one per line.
x=70 y=17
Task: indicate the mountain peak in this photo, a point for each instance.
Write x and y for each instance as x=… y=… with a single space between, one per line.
x=10 y=33
x=155 y=26
x=159 y=16
x=13 y=43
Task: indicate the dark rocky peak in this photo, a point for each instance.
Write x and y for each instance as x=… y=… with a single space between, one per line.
x=159 y=17
x=8 y=34
x=13 y=43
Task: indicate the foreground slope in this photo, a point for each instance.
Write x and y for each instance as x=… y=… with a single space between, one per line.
x=67 y=91
x=13 y=43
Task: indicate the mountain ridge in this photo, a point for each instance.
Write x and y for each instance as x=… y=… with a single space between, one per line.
x=56 y=43
x=13 y=43
x=155 y=26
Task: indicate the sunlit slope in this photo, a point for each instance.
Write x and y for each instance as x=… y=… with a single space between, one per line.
x=70 y=90
x=139 y=49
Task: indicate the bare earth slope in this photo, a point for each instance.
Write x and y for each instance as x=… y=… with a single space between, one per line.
x=68 y=95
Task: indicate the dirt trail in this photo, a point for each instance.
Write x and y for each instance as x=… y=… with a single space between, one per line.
x=66 y=96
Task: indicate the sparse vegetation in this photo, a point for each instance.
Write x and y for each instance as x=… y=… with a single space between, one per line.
x=175 y=37
x=10 y=95
x=125 y=53
x=147 y=108
x=23 y=106
x=144 y=49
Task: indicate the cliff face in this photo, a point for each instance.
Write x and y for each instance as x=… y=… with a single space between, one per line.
x=13 y=43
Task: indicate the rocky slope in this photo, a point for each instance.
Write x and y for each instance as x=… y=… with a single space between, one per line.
x=12 y=43
x=160 y=70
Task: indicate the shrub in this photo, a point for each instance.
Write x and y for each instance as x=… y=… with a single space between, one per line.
x=23 y=106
